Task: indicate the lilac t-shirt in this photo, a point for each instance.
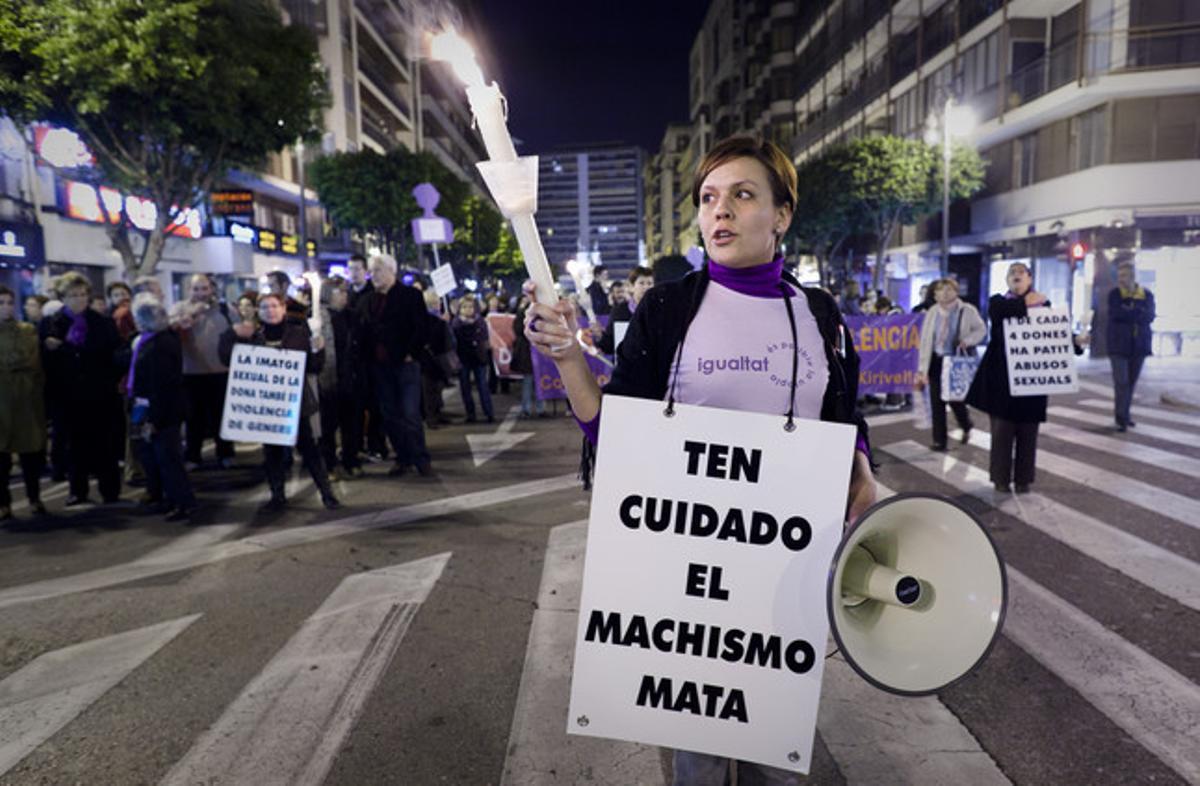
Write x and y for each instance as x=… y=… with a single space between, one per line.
x=738 y=355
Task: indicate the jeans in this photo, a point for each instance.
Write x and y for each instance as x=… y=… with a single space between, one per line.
x=205 y=397
x=31 y=470
x=399 y=391
x=1006 y=433
x=162 y=461
x=702 y=769
x=529 y=396
x=481 y=383
x=937 y=406
x=1125 y=371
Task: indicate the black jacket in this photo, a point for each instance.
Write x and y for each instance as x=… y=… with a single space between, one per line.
x=158 y=378
x=607 y=341
x=345 y=345
x=394 y=322
x=85 y=375
x=646 y=356
x=600 y=303
x=295 y=336
x=1129 y=319
x=989 y=389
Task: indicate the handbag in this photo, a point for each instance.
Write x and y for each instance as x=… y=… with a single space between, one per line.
x=958 y=371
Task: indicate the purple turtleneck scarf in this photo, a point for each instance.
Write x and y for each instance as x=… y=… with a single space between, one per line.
x=77 y=333
x=757 y=281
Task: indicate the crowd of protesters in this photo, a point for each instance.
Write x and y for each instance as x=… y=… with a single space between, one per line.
x=117 y=388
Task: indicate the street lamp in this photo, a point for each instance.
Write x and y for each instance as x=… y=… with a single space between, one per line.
x=303 y=204
x=956 y=120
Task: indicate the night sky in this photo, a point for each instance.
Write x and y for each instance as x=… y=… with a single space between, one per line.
x=580 y=71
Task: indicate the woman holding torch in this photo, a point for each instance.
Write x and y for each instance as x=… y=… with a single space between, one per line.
x=740 y=302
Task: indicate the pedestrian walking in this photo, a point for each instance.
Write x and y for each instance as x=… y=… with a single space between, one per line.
x=950 y=327
x=1014 y=419
x=475 y=355
x=640 y=279
x=392 y=327
x=156 y=391
x=82 y=374
x=737 y=304
x=275 y=330
x=201 y=320
x=434 y=366
x=22 y=406
x=1130 y=314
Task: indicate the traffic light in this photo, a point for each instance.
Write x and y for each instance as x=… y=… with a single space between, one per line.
x=1078 y=251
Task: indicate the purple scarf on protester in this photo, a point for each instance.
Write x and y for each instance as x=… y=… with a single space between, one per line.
x=77 y=334
x=758 y=281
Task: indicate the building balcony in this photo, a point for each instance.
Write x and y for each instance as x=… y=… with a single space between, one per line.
x=388 y=87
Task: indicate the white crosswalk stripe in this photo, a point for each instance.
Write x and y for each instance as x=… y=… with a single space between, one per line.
x=1134 y=451
x=1145 y=430
x=1185 y=510
x=1148 y=413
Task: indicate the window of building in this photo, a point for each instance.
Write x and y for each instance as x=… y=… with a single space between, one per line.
x=1024 y=160
x=781 y=86
x=981 y=65
x=783 y=38
x=1053 y=157
x=1176 y=128
x=1133 y=130
x=1089 y=138
x=1160 y=34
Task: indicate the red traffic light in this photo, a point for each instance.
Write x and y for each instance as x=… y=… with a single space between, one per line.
x=1078 y=251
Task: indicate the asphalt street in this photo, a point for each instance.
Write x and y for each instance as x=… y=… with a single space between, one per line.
x=423 y=633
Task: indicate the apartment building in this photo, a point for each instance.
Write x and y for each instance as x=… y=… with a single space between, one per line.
x=663 y=184
x=1088 y=114
x=590 y=206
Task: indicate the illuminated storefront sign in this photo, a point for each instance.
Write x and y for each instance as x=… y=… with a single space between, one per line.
x=232 y=203
x=289 y=244
x=82 y=204
x=61 y=147
x=268 y=240
x=242 y=233
x=21 y=245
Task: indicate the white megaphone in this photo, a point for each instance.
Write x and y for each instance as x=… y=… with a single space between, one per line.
x=916 y=594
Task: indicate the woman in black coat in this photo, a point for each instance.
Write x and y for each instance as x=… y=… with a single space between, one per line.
x=1014 y=419
x=276 y=330
x=155 y=387
x=80 y=348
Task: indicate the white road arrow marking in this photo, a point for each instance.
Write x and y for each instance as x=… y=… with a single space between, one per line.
x=290 y=721
x=485 y=447
x=54 y=688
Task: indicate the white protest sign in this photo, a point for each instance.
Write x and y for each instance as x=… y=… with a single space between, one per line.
x=262 y=398
x=619 y=331
x=702 y=620
x=443 y=280
x=1041 y=353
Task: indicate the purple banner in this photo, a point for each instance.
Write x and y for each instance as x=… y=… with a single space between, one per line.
x=889 y=348
x=550 y=384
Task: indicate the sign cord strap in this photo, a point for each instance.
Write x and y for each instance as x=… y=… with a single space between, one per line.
x=791 y=413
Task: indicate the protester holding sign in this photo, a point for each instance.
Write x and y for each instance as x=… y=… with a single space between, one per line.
x=277 y=331
x=1014 y=419
x=738 y=334
x=951 y=327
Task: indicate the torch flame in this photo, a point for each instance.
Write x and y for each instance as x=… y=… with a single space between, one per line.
x=454 y=49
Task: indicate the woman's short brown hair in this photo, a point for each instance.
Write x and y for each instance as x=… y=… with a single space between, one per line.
x=641 y=271
x=780 y=171
x=72 y=280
